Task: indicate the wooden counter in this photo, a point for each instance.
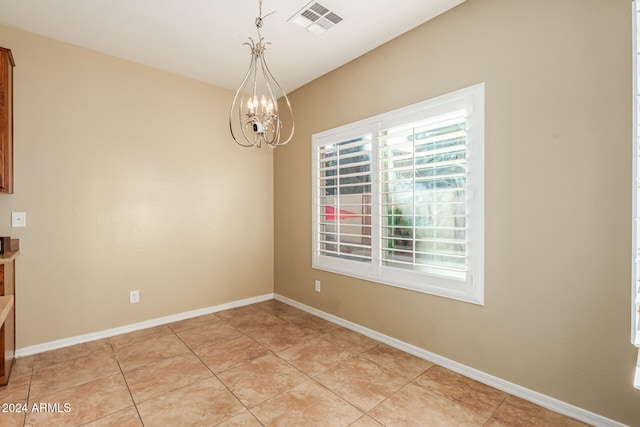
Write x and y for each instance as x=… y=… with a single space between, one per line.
x=8 y=257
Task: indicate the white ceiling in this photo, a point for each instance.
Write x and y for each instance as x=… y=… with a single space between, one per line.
x=202 y=39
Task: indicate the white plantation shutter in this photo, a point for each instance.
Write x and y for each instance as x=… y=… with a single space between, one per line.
x=344 y=199
x=398 y=198
x=635 y=294
x=423 y=177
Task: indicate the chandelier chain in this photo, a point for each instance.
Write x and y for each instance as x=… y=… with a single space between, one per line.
x=260 y=18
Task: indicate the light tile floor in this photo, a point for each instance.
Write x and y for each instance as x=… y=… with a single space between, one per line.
x=265 y=364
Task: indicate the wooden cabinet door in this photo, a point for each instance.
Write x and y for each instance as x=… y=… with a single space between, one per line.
x=6 y=121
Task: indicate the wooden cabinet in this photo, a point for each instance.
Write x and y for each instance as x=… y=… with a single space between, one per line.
x=7 y=313
x=6 y=120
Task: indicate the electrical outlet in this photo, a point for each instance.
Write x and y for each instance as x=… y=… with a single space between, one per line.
x=134 y=297
x=317 y=285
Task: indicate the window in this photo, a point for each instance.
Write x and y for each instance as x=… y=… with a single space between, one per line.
x=635 y=276
x=398 y=198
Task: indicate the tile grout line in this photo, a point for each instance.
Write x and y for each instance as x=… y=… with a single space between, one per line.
x=124 y=378
x=273 y=353
x=69 y=387
x=408 y=381
x=24 y=420
x=493 y=417
x=312 y=377
x=209 y=369
x=135 y=404
x=33 y=369
x=365 y=413
x=128 y=389
x=215 y=375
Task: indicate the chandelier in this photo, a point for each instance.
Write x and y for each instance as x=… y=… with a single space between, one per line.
x=258 y=114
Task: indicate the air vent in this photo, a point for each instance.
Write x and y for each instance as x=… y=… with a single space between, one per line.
x=319 y=9
x=315 y=18
x=333 y=17
x=310 y=15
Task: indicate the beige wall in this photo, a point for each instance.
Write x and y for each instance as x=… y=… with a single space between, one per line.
x=558 y=187
x=130 y=180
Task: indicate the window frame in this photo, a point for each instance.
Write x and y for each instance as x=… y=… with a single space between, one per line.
x=471 y=288
x=635 y=255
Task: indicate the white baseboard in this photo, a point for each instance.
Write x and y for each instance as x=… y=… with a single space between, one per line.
x=66 y=342
x=506 y=386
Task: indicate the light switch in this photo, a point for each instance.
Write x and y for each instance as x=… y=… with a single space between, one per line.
x=18 y=219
